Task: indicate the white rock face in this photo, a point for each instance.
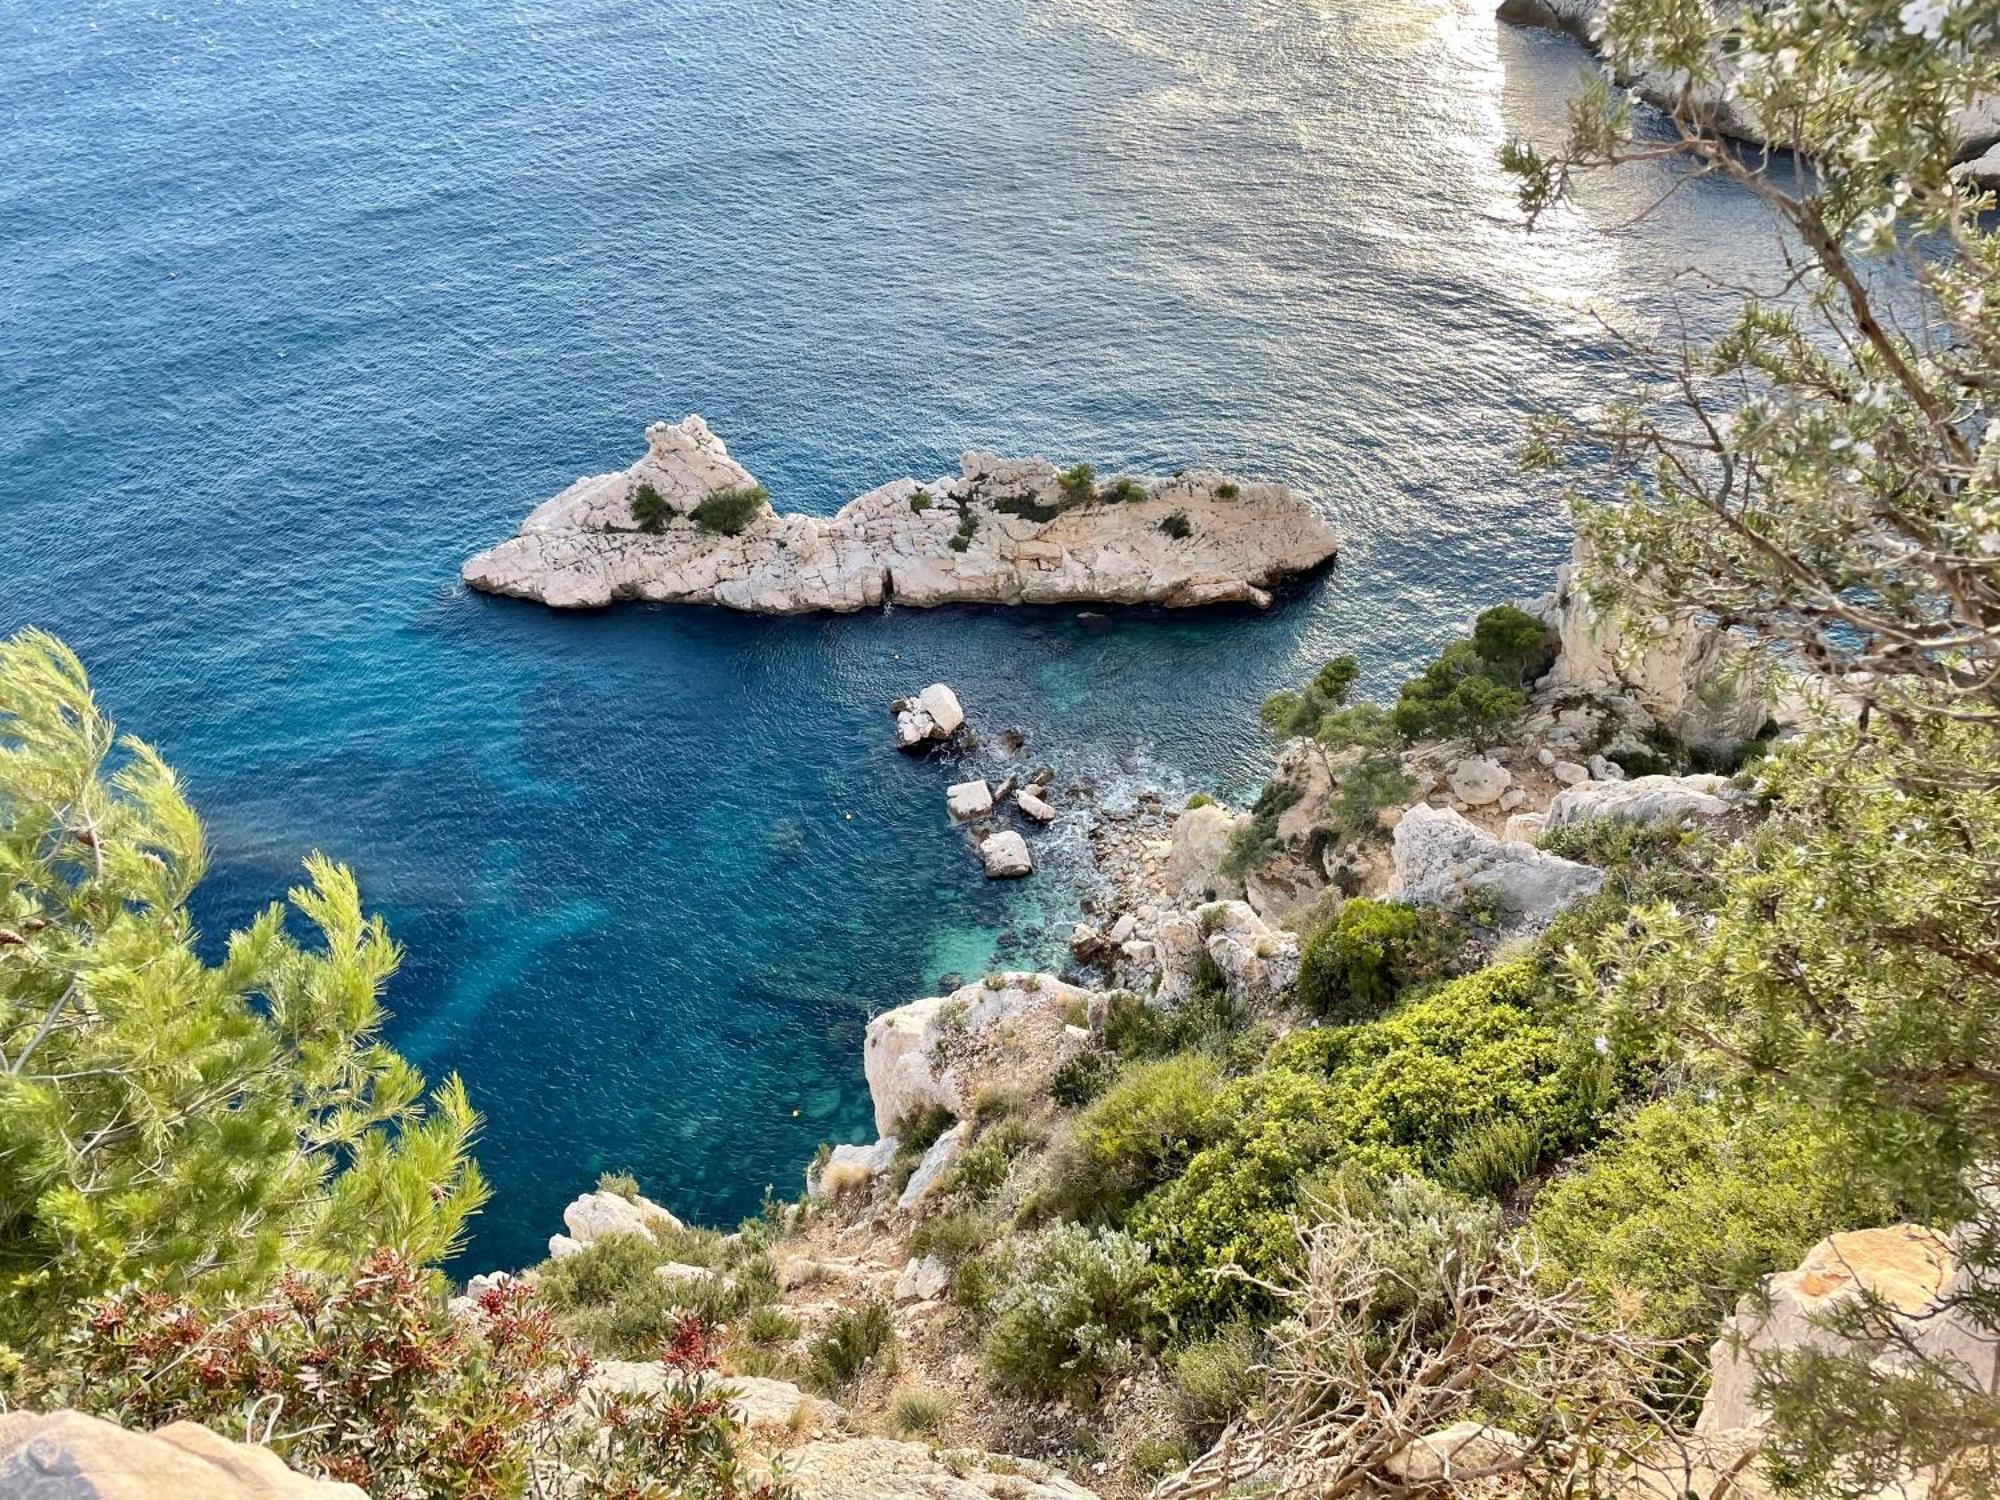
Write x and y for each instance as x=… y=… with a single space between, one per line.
x=936 y=1162
x=944 y=1051
x=1006 y=856
x=1645 y=799
x=1912 y=1268
x=1569 y=773
x=1442 y=860
x=1259 y=963
x=850 y=1167
x=1034 y=807
x=561 y=1246
x=884 y=1469
x=1479 y=782
x=758 y=1404
x=595 y=1215
x=968 y=799
x=923 y=1280
x=1200 y=841
x=1685 y=675
x=1602 y=768
x=584 y=549
x=1524 y=828
x=65 y=1455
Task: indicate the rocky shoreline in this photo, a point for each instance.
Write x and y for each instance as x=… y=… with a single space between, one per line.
x=687 y=524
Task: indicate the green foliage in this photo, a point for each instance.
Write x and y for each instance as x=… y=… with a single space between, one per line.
x=983 y=1166
x=768 y=1323
x=650 y=508
x=1227 y=491
x=1214 y=1381
x=922 y=501
x=624 y=1184
x=1365 y=726
x=919 y=1411
x=915 y=1134
x=1251 y=846
x=1125 y=489
x=368 y=1379
x=968 y=526
x=1365 y=791
x=1177 y=525
x=1068 y=1314
x=1491 y=1159
x=1133 y=1137
x=1691 y=1203
x=1078 y=484
x=1208 y=1020
x=727 y=512
x=1513 y=645
x=609 y=1297
x=1458 y=695
x=1381 y=1099
x=1303 y=712
x=162 y=1119
x=1200 y=799
x=1358 y=963
x=847 y=1345
x=954 y=1238
x=1082 y=1076
x=1027 y=506
x=1412 y=1228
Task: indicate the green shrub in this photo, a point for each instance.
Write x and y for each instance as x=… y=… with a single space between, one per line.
x=600 y=1272
x=1690 y=1204
x=1492 y=1158
x=974 y=1282
x=922 y=501
x=954 y=1238
x=847 y=1345
x=1380 y=782
x=1082 y=1076
x=1026 y=506
x=1456 y=695
x=1226 y=491
x=1414 y=1228
x=650 y=509
x=1078 y=484
x=1070 y=1313
x=1251 y=846
x=1177 y=525
x=1214 y=1381
x=1366 y=726
x=1200 y=799
x=983 y=1166
x=769 y=1324
x=1380 y=1099
x=1356 y=965
x=919 y=1411
x=1134 y=1136
x=624 y=1184
x=727 y=512
x=1126 y=489
x=1207 y=1019
x=1515 y=646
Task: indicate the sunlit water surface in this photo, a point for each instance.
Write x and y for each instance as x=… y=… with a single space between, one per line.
x=303 y=302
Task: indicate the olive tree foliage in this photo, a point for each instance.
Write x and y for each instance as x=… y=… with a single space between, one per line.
x=1824 y=476
x=164 y=1119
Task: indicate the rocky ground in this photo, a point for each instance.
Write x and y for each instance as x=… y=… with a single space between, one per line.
x=1002 y=531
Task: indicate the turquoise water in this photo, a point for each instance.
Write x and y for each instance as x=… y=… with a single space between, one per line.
x=302 y=302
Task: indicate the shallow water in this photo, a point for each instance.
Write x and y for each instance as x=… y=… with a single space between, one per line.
x=303 y=302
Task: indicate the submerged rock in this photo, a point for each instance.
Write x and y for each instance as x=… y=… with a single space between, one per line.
x=1003 y=531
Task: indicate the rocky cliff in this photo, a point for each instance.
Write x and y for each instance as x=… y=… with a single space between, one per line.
x=1003 y=531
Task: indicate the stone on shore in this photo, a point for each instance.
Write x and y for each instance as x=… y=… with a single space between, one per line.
x=1034 y=807
x=923 y=1280
x=1006 y=856
x=1442 y=860
x=967 y=800
x=595 y=1215
x=1478 y=782
x=933 y=715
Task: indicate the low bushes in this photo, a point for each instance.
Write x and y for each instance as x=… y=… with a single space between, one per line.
x=1067 y=1315
x=727 y=512
x=1131 y=1138
x=1355 y=965
x=847 y=1345
x=1177 y=526
x=650 y=509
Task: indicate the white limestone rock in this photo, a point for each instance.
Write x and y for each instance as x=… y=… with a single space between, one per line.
x=850 y=1167
x=1008 y=1031
x=1479 y=782
x=65 y=1455
x=936 y=1162
x=1603 y=768
x=1006 y=856
x=1646 y=799
x=1569 y=773
x=923 y=1280
x=968 y=799
x=1034 y=807
x=1914 y=1270
x=758 y=1403
x=1200 y=842
x=595 y=1215
x=561 y=1247
x=584 y=548
x=1259 y=964
x=1442 y=860
x=940 y=704
x=1524 y=828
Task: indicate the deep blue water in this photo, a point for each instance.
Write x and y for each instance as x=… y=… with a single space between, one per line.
x=302 y=302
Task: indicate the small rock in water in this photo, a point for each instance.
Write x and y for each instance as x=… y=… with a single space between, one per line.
x=1034 y=807
x=968 y=799
x=1006 y=856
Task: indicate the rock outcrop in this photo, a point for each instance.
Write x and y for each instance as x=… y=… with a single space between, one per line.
x=1645 y=799
x=1442 y=860
x=1006 y=856
x=934 y=714
x=1257 y=963
x=1200 y=842
x=1010 y=1031
x=66 y=1455
x=1920 y=1286
x=884 y=1469
x=597 y=1214
x=1003 y=531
